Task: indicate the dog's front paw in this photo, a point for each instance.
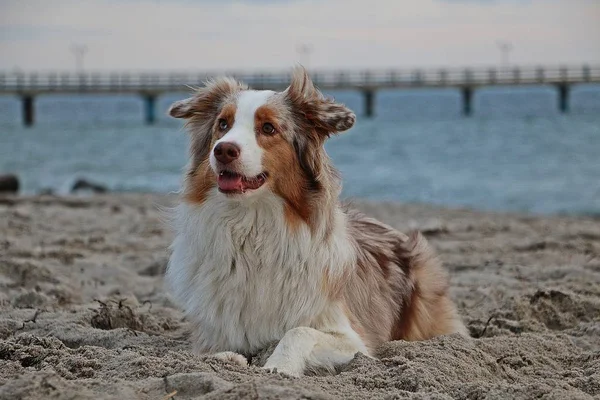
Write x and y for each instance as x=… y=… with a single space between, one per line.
x=283 y=367
x=231 y=357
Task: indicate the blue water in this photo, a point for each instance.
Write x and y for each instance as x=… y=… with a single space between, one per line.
x=517 y=153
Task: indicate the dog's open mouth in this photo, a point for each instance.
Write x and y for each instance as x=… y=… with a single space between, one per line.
x=231 y=182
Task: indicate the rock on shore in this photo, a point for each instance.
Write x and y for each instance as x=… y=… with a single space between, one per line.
x=9 y=183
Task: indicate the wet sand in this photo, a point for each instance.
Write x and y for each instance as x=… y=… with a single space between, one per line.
x=84 y=315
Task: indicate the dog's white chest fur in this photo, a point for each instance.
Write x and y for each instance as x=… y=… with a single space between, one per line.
x=245 y=278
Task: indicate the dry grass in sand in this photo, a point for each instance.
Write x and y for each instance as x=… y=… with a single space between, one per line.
x=83 y=312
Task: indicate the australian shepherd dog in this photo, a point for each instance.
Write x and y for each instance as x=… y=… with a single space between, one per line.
x=265 y=252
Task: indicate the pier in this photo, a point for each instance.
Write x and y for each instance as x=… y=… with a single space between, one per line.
x=148 y=85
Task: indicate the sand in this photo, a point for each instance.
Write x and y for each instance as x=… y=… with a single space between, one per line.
x=83 y=311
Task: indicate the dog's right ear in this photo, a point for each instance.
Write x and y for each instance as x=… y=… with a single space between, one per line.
x=207 y=100
x=182 y=108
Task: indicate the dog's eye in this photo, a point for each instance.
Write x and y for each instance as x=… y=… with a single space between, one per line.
x=223 y=124
x=268 y=128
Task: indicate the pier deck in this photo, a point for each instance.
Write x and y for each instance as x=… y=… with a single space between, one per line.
x=151 y=85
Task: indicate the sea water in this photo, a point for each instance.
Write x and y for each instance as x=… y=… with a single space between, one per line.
x=515 y=153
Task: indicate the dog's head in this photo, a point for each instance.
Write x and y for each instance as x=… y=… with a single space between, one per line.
x=246 y=142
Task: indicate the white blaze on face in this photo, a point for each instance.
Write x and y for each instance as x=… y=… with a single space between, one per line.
x=242 y=133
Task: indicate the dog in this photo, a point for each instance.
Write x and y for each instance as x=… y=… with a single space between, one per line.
x=264 y=251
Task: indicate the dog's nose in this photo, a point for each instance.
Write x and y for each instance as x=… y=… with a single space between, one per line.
x=227 y=152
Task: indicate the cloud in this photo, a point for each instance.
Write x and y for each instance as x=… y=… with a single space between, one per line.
x=514 y=2
x=36 y=32
x=205 y=2
x=244 y=34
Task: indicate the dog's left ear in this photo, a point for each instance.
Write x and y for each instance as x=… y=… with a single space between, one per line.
x=325 y=115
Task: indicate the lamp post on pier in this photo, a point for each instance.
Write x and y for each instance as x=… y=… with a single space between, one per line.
x=79 y=51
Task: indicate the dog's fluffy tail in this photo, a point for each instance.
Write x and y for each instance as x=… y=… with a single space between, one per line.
x=428 y=311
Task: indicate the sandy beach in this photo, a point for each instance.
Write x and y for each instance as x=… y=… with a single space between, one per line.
x=84 y=313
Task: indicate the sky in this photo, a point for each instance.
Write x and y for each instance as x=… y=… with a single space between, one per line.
x=185 y=35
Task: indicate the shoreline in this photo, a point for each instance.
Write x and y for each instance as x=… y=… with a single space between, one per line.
x=84 y=313
x=74 y=197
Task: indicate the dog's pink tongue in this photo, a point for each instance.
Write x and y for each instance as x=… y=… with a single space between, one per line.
x=229 y=182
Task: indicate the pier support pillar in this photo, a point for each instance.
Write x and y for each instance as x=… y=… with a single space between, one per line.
x=369 y=96
x=563 y=97
x=150 y=108
x=467 y=100
x=28 y=110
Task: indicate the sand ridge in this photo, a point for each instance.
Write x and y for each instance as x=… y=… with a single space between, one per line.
x=84 y=313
